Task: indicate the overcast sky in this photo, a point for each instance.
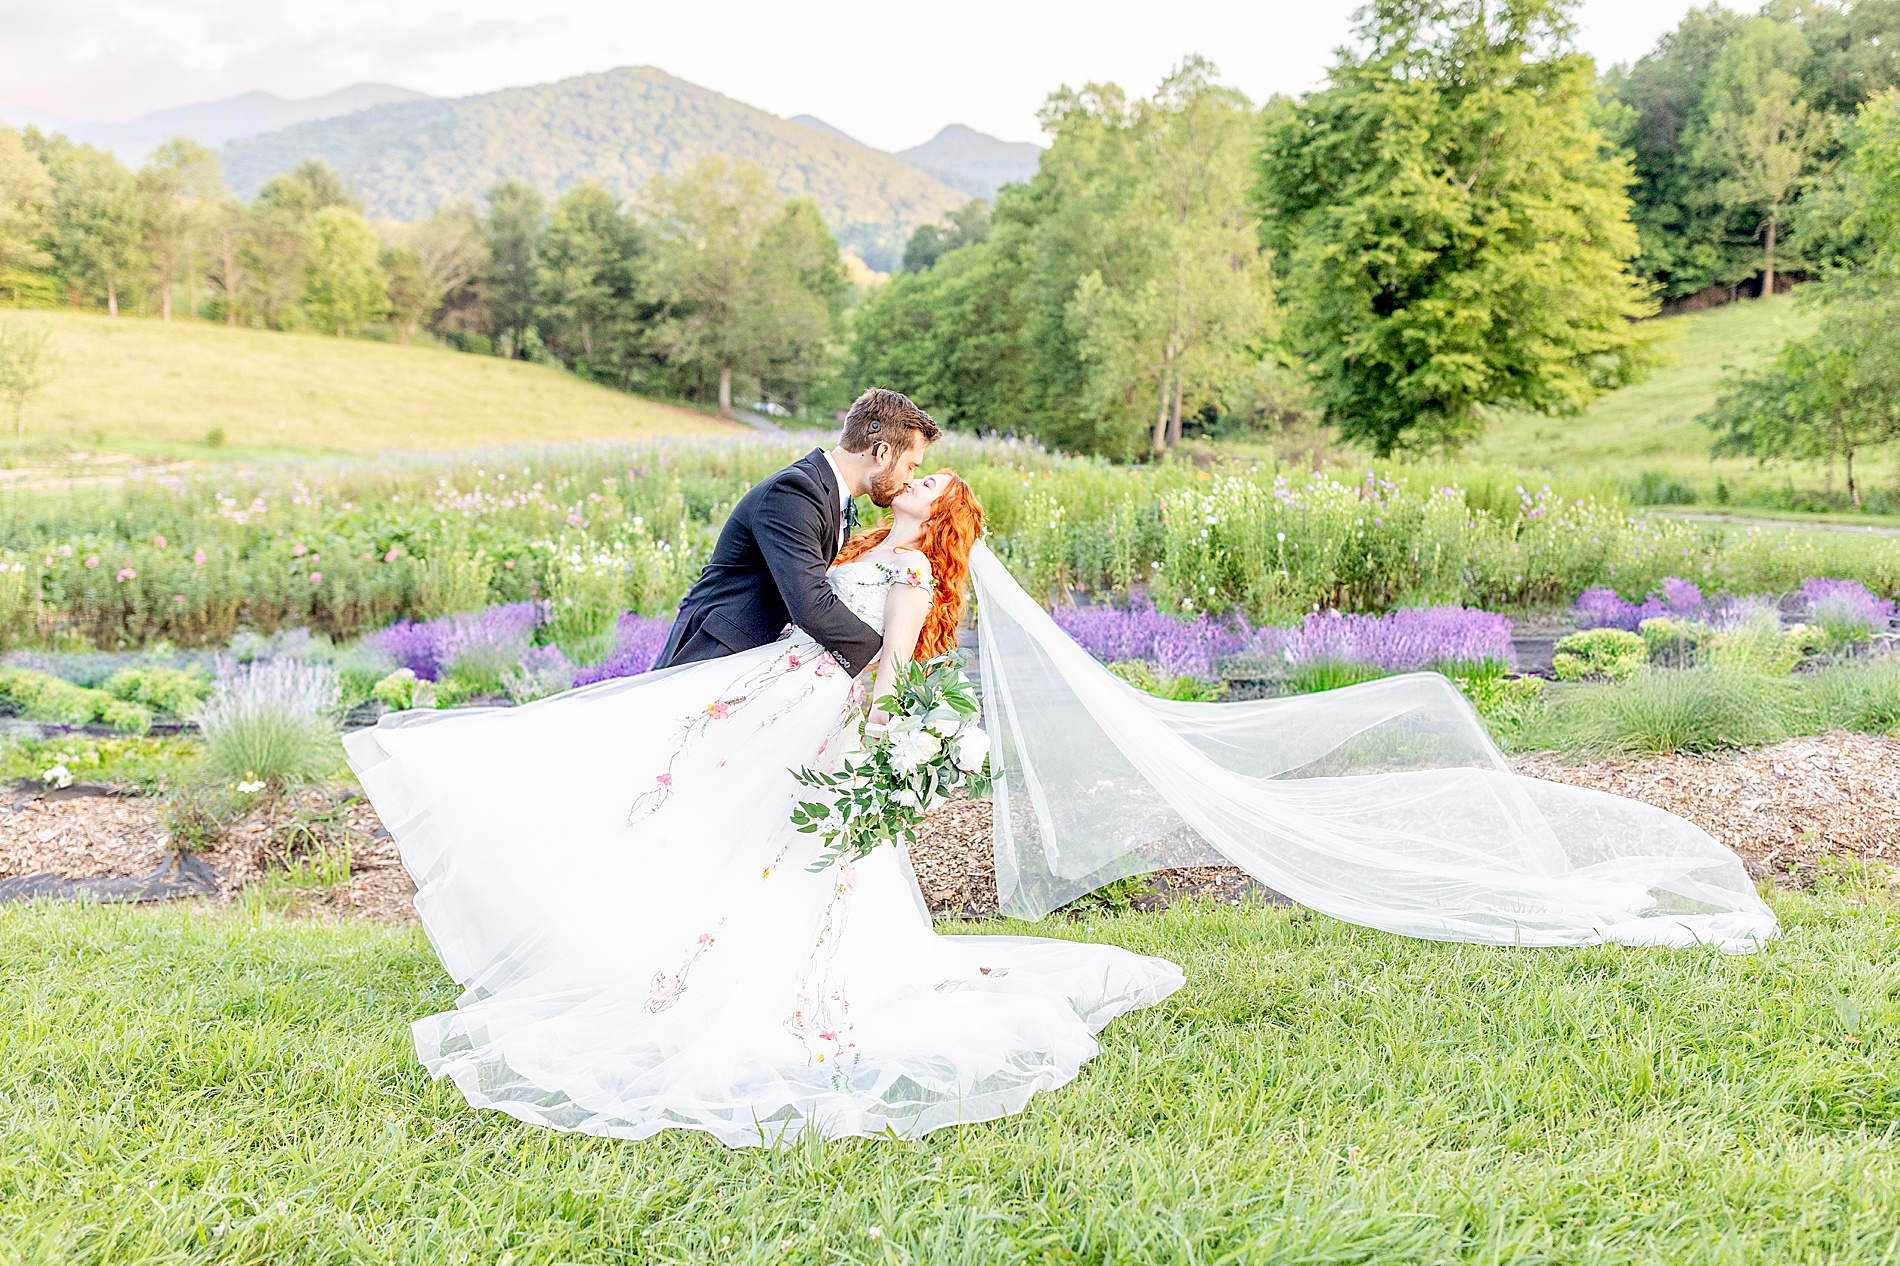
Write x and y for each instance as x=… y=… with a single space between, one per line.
x=889 y=73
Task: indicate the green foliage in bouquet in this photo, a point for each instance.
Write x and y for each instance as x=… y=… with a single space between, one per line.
x=932 y=747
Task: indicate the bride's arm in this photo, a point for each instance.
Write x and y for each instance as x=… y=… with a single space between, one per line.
x=904 y=610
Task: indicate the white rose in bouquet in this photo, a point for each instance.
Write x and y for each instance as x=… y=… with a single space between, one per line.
x=912 y=749
x=971 y=749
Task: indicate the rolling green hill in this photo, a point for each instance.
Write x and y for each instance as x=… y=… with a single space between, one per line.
x=1647 y=436
x=621 y=128
x=148 y=386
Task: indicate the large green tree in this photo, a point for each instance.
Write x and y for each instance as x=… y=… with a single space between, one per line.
x=271 y=261
x=1759 y=137
x=515 y=213
x=181 y=191
x=1180 y=309
x=1451 y=227
x=931 y=242
x=96 y=232
x=1682 y=225
x=344 y=285
x=25 y=193
x=590 y=285
x=748 y=284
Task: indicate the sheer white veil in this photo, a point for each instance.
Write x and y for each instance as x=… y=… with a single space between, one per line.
x=1384 y=804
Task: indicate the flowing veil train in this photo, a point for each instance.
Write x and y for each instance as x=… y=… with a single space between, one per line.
x=1385 y=804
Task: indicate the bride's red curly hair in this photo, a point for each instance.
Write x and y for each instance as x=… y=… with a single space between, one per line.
x=956 y=520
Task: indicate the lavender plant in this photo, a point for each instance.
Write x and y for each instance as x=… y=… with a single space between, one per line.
x=638 y=641
x=1846 y=610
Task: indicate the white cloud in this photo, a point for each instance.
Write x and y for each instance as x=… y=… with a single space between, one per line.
x=890 y=74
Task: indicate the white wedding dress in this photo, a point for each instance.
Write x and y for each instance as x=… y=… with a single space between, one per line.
x=612 y=876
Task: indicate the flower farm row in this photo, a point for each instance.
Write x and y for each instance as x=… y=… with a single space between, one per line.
x=347 y=547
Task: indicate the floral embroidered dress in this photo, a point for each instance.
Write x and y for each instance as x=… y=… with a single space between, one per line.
x=612 y=877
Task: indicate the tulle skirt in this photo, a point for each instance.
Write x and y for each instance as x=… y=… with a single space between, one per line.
x=612 y=877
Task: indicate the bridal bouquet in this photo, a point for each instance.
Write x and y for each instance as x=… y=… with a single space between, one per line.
x=933 y=746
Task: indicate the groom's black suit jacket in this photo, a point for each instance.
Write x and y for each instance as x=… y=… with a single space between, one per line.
x=769 y=568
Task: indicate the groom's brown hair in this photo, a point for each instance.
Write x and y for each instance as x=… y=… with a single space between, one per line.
x=881 y=415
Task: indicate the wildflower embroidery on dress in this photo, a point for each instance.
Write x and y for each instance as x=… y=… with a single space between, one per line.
x=668 y=986
x=735 y=698
x=821 y=1015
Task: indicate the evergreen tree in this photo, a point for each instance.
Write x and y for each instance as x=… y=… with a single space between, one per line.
x=1451 y=230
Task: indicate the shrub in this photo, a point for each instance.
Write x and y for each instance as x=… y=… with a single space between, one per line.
x=543 y=671
x=197 y=816
x=1672 y=642
x=1612 y=654
x=1675 y=710
x=1172 y=646
x=398 y=689
x=172 y=690
x=1182 y=689
x=1410 y=640
x=1672 y=599
x=1846 y=610
x=453 y=582
x=478 y=647
x=272 y=721
x=584 y=603
x=39 y=697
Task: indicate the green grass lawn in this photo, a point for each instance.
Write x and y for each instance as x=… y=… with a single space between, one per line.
x=146 y=386
x=1651 y=427
x=176 y=1086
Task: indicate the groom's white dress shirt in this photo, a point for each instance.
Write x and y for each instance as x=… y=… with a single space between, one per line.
x=844 y=497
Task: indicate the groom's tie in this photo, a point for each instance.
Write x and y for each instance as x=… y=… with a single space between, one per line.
x=850 y=520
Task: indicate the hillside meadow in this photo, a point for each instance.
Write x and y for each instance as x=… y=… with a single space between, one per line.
x=153 y=387
x=1647 y=437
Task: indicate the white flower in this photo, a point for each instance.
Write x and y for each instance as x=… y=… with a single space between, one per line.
x=911 y=749
x=971 y=750
x=58 y=776
x=907 y=798
x=251 y=788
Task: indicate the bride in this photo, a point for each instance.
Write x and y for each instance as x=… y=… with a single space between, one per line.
x=612 y=876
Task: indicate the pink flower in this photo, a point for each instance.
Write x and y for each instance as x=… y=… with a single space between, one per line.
x=508 y=564
x=705 y=938
x=830 y=1035
x=316 y=577
x=390 y=557
x=718 y=711
x=793 y=661
x=179 y=598
x=159 y=541
x=93 y=561
x=665 y=780
x=65 y=551
x=198 y=557
x=126 y=573
x=364 y=557
x=299 y=550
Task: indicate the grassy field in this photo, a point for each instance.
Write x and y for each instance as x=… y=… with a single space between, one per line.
x=177 y=1087
x=1651 y=428
x=149 y=387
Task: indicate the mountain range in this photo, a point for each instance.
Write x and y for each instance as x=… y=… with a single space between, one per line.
x=407 y=153
x=210 y=123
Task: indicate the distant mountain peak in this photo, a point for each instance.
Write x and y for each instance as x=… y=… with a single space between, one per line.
x=975 y=162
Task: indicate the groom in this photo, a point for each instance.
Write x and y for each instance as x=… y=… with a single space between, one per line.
x=769 y=566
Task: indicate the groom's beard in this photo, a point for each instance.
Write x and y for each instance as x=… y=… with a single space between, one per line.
x=884 y=486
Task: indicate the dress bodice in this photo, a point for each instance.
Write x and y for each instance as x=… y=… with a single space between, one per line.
x=863 y=583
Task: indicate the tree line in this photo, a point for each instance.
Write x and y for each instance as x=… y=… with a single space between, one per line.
x=713 y=279
x=1466 y=216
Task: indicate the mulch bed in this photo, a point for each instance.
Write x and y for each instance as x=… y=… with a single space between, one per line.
x=1783 y=808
